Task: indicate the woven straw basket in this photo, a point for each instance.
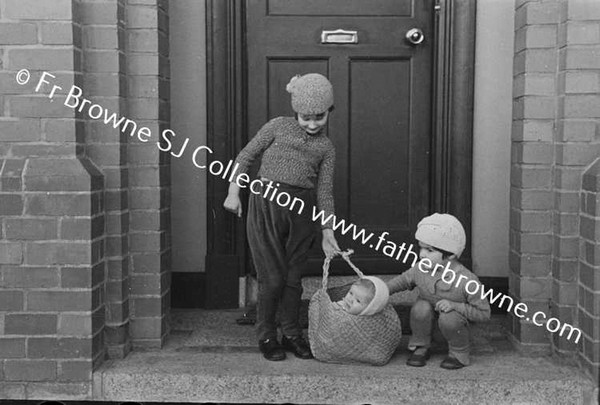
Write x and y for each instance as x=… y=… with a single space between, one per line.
x=336 y=336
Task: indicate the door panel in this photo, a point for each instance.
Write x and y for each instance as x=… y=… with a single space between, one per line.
x=381 y=126
x=339 y=8
x=376 y=119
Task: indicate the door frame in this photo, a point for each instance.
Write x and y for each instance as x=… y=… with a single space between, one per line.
x=451 y=185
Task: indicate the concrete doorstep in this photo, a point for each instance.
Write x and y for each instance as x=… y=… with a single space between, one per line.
x=209 y=358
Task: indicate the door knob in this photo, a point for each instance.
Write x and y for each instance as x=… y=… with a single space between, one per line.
x=415 y=36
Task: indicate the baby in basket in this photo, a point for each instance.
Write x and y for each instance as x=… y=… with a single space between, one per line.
x=367 y=296
x=359 y=328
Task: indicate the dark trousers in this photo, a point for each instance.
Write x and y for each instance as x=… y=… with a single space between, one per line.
x=279 y=240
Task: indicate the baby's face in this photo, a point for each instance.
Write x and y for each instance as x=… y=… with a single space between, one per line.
x=356 y=300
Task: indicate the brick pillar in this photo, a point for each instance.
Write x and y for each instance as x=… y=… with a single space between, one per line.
x=51 y=209
x=148 y=75
x=105 y=84
x=589 y=271
x=532 y=197
x=555 y=137
x=576 y=147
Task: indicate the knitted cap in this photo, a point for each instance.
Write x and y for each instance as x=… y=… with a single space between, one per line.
x=311 y=93
x=442 y=231
x=380 y=300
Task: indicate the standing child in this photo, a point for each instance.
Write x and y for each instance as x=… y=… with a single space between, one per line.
x=297 y=158
x=442 y=293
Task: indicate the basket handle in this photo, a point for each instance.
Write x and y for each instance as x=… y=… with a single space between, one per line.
x=346 y=257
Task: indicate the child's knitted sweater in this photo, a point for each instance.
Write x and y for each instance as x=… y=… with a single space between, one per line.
x=291 y=156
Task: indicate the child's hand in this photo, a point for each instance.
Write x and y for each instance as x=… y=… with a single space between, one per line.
x=233 y=204
x=444 y=306
x=329 y=244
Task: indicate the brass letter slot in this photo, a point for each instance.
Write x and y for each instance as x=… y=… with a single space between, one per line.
x=339 y=37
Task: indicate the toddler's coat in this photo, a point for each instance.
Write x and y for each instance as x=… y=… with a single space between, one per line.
x=453 y=324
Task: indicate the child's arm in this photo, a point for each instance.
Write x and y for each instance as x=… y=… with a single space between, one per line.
x=405 y=281
x=257 y=145
x=476 y=309
x=245 y=158
x=329 y=243
x=232 y=202
x=325 y=202
x=325 y=186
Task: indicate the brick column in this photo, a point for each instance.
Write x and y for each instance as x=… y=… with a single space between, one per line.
x=148 y=75
x=589 y=271
x=105 y=84
x=555 y=137
x=576 y=148
x=532 y=197
x=51 y=212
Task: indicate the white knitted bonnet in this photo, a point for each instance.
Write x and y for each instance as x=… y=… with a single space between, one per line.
x=380 y=300
x=442 y=231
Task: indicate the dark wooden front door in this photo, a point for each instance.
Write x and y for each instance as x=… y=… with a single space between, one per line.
x=381 y=126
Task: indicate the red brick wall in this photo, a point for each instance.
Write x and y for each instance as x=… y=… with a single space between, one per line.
x=149 y=238
x=51 y=212
x=555 y=137
x=84 y=242
x=104 y=83
x=589 y=271
x=532 y=195
x=576 y=146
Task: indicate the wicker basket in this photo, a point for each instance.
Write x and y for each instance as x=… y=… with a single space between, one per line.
x=336 y=336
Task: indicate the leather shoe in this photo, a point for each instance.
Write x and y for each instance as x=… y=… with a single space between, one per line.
x=418 y=360
x=271 y=349
x=450 y=363
x=297 y=345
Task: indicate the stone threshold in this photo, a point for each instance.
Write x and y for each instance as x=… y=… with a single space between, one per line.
x=246 y=378
x=209 y=358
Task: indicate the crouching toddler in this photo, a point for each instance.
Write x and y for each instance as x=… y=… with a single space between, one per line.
x=443 y=298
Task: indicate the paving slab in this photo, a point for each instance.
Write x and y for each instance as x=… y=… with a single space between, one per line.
x=244 y=377
x=209 y=358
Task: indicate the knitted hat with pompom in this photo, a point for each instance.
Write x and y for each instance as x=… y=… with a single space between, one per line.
x=311 y=93
x=442 y=231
